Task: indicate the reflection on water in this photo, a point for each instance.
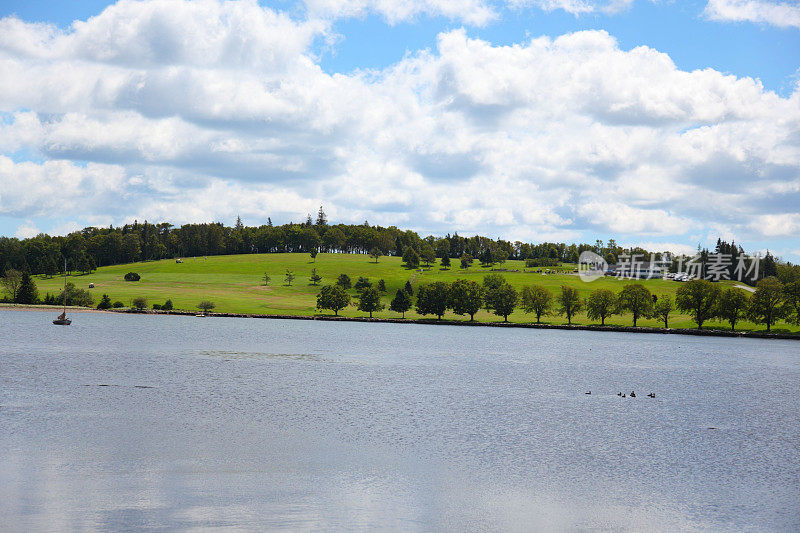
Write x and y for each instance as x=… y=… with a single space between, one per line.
x=132 y=422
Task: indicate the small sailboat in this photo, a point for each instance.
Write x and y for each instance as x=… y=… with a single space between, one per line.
x=62 y=319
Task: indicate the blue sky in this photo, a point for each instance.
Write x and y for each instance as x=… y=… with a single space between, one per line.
x=432 y=116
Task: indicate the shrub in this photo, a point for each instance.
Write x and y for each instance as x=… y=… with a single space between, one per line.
x=132 y=276
x=118 y=305
x=157 y=307
x=139 y=302
x=167 y=305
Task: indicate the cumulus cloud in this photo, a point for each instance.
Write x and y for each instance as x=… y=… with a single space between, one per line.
x=781 y=14
x=200 y=110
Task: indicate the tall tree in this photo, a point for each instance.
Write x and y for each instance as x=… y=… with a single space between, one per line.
x=427 y=254
x=27 y=293
x=11 y=283
x=313 y=253
x=698 y=297
x=466 y=261
x=766 y=304
x=445 y=262
x=433 y=299
x=401 y=302
x=662 y=309
x=570 y=302
x=333 y=297
x=791 y=298
x=601 y=304
x=636 y=299
x=536 y=299
x=362 y=283
x=502 y=300
x=732 y=306
x=370 y=300
x=466 y=297
x=322 y=219
x=289 y=277
x=411 y=258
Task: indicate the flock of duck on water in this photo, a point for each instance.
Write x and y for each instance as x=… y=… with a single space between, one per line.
x=632 y=394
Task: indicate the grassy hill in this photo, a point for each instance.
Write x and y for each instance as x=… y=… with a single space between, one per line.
x=235 y=284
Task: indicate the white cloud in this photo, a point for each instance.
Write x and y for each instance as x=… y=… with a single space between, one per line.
x=200 y=110
x=781 y=14
x=27 y=230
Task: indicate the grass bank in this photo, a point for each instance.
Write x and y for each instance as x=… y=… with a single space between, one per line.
x=235 y=284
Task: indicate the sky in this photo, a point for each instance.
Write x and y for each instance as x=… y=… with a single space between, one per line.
x=658 y=123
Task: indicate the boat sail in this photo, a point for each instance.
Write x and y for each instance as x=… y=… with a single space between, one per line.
x=62 y=319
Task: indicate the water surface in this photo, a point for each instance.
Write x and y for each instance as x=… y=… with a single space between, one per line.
x=136 y=421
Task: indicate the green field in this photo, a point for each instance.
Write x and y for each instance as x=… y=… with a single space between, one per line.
x=234 y=283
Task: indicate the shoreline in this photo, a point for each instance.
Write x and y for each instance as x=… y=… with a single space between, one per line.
x=431 y=321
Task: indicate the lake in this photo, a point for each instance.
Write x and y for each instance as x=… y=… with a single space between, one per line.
x=127 y=422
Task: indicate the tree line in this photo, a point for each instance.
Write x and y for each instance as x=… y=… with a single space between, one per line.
x=92 y=247
x=703 y=300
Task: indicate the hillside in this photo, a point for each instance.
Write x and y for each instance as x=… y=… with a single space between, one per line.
x=235 y=284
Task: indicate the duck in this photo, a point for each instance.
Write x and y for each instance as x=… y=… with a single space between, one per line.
x=588 y=392
x=633 y=394
x=651 y=395
x=624 y=396
x=619 y=394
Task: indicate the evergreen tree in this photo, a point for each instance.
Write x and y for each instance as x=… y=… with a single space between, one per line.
x=445 y=262
x=381 y=285
x=362 y=283
x=411 y=258
x=401 y=302
x=322 y=219
x=791 y=297
x=315 y=278
x=105 y=302
x=289 y=277
x=409 y=288
x=167 y=305
x=313 y=253
x=27 y=293
x=266 y=278
x=466 y=261
x=370 y=300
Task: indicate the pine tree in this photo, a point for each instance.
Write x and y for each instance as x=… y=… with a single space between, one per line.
x=27 y=293
x=315 y=278
x=401 y=302
x=322 y=220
